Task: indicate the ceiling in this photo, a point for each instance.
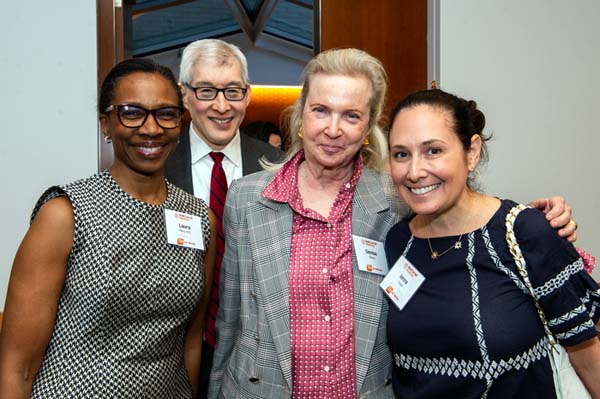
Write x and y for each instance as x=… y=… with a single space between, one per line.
x=160 y=25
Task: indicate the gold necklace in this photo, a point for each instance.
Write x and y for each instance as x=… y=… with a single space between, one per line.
x=436 y=254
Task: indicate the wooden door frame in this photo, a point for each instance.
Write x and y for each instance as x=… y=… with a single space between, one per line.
x=113 y=22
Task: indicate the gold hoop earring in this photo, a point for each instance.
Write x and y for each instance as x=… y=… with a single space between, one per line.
x=300 y=132
x=366 y=141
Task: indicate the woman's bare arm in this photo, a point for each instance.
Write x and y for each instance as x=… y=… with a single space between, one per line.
x=36 y=282
x=585 y=359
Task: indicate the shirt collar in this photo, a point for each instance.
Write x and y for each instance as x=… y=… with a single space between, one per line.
x=285 y=182
x=199 y=149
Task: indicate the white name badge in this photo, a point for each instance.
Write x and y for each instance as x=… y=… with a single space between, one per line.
x=370 y=255
x=402 y=282
x=183 y=229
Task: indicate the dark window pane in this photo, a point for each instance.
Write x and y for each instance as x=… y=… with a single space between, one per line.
x=292 y=22
x=175 y=26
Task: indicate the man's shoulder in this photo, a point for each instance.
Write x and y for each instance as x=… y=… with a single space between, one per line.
x=178 y=165
x=250 y=145
x=182 y=151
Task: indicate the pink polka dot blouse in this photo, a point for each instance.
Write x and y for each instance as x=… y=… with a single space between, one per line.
x=321 y=292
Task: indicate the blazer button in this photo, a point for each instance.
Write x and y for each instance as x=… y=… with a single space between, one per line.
x=253 y=380
x=387 y=382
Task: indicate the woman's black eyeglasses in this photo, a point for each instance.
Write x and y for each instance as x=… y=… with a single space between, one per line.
x=133 y=116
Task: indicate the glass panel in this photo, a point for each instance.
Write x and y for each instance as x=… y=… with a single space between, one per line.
x=146 y=3
x=252 y=7
x=307 y=3
x=292 y=22
x=176 y=26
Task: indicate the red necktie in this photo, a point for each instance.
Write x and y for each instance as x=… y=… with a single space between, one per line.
x=218 y=191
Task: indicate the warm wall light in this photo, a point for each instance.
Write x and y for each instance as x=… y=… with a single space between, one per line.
x=268 y=102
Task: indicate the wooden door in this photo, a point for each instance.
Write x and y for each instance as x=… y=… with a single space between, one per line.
x=394 y=31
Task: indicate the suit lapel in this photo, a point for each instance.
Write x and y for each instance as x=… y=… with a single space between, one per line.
x=270 y=234
x=178 y=169
x=249 y=156
x=369 y=201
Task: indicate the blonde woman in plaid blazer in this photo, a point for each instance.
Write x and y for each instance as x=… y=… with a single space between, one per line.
x=254 y=356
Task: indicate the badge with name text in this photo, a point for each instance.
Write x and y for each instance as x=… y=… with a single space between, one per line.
x=402 y=282
x=370 y=255
x=183 y=229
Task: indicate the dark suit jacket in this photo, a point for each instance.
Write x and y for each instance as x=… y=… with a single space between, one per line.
x=178 y=169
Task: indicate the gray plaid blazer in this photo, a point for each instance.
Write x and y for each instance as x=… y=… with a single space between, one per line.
x=253 y=358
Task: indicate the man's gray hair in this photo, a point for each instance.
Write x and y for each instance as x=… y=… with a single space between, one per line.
x=214 y=50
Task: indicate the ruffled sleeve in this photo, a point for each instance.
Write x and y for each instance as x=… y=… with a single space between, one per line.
x=568 y=295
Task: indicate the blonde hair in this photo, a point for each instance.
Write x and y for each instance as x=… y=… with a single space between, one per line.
x=347 y=62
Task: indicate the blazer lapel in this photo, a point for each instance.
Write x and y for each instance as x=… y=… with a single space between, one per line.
x=369 y=201
x=178 y=169
x=270 y=234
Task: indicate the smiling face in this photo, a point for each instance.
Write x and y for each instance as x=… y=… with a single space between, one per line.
x=144 y=149
x=429 y=164
x=216 y=121
x=335 y=119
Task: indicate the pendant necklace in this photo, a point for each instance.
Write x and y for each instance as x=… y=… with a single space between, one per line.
x=457 y=244
x=436 y=254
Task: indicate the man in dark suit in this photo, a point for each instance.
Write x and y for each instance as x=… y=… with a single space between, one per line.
x=212 y=152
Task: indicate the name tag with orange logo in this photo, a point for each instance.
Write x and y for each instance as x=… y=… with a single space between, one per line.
x=183 y=229
x=402 y=282
x=370 y=255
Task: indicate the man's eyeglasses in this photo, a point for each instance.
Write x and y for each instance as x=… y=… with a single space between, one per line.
x=207 y=93
x=133 y=116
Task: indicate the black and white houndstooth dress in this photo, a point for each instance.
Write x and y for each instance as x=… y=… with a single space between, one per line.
x=127 y=298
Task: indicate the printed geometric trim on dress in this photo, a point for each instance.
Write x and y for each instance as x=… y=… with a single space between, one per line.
x=453 y=367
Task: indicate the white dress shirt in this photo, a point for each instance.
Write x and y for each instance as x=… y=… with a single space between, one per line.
x=202 y=163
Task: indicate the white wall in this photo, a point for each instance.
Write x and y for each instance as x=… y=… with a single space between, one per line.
x=47 y=108
x=532 y=66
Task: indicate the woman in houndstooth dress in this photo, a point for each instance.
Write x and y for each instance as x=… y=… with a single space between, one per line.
x=100 y=303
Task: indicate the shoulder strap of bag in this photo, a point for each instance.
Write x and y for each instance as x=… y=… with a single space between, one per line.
x=515 y=251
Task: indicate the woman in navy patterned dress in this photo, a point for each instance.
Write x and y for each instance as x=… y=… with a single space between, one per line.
x=471 y=330
x=100 y=302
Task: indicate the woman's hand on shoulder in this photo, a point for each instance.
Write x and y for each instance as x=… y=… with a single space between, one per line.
x=558 y=213
x=36 y=282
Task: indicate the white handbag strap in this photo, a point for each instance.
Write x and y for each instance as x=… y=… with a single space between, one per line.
x=515 y=250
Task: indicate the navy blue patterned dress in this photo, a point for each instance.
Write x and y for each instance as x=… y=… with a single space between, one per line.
x=471 y=330
x=127 y=298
